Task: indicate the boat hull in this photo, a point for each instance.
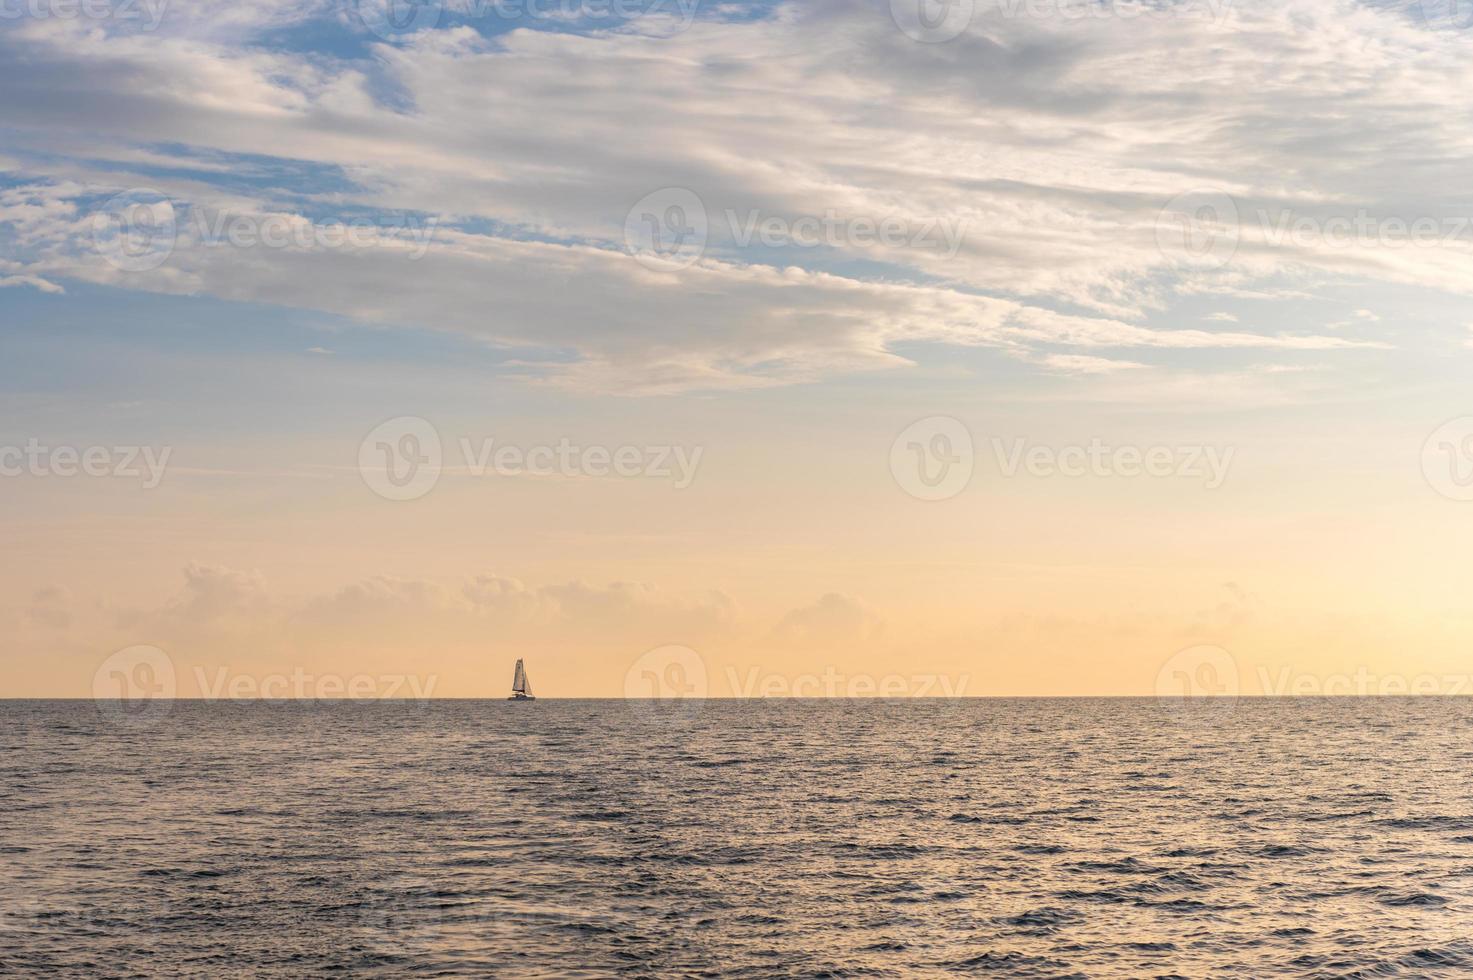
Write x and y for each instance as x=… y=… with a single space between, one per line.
x=521 y=697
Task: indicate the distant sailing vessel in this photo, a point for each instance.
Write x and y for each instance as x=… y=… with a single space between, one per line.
x=520 y=689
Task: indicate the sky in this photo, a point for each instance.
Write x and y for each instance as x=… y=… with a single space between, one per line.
x=997 y=347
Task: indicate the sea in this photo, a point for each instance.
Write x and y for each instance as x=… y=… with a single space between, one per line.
x=738 y=838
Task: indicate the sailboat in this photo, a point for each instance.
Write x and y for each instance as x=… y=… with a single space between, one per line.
x=520 y=689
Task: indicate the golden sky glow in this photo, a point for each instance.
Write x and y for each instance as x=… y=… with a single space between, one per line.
x=1076 y=358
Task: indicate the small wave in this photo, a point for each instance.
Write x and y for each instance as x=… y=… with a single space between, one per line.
x=1330 y=817
x=884 y=850
x=1044 y=918
x=1010 y=961
x=1172 y=881
x=584 y=928
x=1435 y=822
x=1181 y=905
x=1105 y=895
x=1414 y=900
x=1455 y=956
x=1454 y=959
x=758 y=919
x=1128 y=866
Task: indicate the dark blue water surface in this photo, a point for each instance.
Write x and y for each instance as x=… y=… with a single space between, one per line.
x=1019 y=838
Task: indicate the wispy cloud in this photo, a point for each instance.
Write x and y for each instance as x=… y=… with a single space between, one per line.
x=1052 y=148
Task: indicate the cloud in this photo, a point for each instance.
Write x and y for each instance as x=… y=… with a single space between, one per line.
x=716 y=324
x=51 y=608
x=35 y=282
x=1052 y=145
x=1225 y=616
x=231 y=618
x=833 y=619
x=1085 y=364
x=214 y=595
x=506 y=603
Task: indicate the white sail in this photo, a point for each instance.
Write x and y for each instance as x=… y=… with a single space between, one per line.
x=519 y=680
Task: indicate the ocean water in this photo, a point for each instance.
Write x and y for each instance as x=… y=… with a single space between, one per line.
x=1009 y=838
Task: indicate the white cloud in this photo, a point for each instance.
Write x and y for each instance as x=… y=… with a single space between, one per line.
x=1054 y=144
x=36 y=282
x=1085 y=364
